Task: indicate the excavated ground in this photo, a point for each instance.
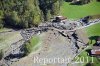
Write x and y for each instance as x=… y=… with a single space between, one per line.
x=54 y=45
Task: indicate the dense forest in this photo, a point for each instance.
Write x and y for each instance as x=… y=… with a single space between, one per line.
x=27 y=13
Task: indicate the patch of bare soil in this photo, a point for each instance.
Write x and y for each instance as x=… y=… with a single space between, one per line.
x=9 y=38
x=53 y=45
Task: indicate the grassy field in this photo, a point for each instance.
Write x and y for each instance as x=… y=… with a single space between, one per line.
x=34 y=40
x=93 y=30
x=6 y=39
x=32 y=44
x=4 y=29
x=79 y=11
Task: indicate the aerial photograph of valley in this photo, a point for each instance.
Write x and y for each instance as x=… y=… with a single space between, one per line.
x=49 y=32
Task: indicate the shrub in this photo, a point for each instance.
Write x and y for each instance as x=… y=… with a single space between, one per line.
x=1 y=54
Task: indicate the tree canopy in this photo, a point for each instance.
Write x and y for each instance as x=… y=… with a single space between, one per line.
x=27 y=13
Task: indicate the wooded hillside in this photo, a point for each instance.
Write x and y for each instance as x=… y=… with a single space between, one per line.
x=27 y=13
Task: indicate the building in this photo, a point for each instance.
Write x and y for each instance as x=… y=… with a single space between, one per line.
x=59 y=19
x=95 y=51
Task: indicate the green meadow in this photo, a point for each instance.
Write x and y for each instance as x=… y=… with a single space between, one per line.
x=31 y=45
x=79 y=11
x=93 y=30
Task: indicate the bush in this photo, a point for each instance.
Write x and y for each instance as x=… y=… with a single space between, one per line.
x=1 y=24
x=30 y=45
x=12 y=19
x=27 y=49
x=1 y=54
x=1 y=19
x=98 y=0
